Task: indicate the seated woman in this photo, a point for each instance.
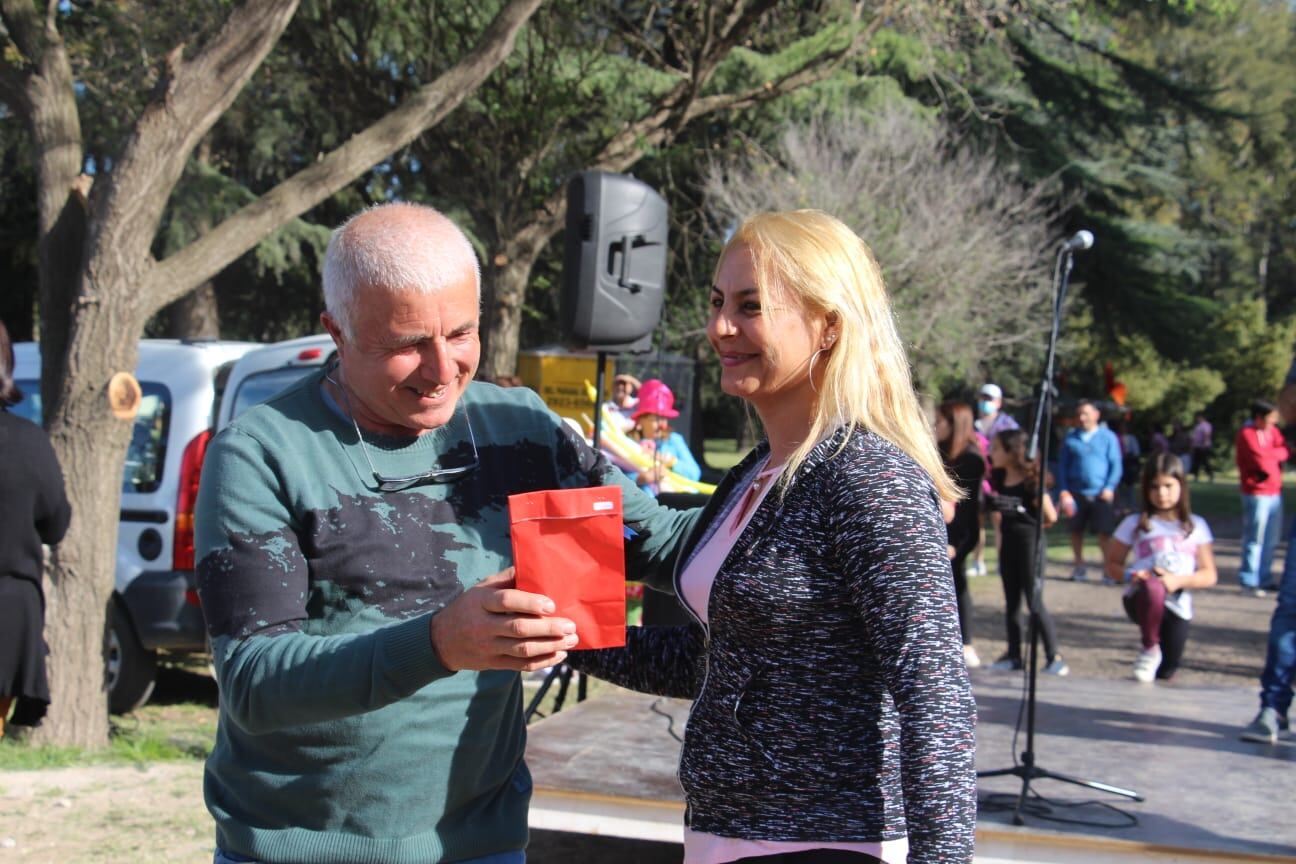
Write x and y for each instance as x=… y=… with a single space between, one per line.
x=833 y=718
x=669 y=450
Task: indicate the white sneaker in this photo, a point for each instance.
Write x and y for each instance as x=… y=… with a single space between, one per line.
x=970 y=658
x=1078 y=573
x=977 y=568
x=1057 y=667
x=1146 y=664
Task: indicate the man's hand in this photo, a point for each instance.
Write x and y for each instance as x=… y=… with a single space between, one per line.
x=1107 y=495
x=493 y=625
x=1068 y=504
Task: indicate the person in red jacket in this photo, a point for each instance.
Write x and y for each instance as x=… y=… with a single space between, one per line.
x=1260 y=454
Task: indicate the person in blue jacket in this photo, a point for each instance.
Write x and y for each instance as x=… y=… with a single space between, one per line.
x=1089 y=470
x=669 y=450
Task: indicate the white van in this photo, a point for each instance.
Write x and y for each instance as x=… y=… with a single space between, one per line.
x=262 y=373
x=155 y=605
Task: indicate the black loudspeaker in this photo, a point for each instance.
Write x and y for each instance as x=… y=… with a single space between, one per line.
x=614 y=262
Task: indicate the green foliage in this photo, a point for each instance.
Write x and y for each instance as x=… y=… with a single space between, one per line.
x=1252 y=353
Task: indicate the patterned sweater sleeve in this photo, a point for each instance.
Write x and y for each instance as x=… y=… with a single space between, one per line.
x=664 y=661
x=889 y=540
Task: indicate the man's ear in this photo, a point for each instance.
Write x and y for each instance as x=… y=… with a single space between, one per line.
x=334 y=329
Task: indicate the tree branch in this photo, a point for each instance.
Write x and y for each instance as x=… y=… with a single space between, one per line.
x=189 y=98
x=24 y=28
x=13 y=88
x=207 y=256
x=676 y=108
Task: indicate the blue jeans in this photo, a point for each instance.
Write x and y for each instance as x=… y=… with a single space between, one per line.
x=516 y=857
x=1280 y=658
x=1261 y=523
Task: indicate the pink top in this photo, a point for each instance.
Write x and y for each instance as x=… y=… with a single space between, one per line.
x=695 y=586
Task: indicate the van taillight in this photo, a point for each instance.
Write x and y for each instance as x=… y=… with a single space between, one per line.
x=186 y=498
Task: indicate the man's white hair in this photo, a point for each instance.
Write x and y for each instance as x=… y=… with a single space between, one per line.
x=396 y=248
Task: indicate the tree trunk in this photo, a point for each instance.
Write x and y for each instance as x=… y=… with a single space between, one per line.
x=99 y=282
x=194 y=316
x=90 y=442
x=510 y=270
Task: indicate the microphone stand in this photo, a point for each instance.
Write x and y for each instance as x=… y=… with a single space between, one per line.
x=1041 y=432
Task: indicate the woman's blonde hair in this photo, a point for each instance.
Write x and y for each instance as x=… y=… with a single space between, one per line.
x=816 y=262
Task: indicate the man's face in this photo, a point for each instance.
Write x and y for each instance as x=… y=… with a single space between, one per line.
x=621 y=391
x=411 y=358
x=1088 y=417
x=988 y=405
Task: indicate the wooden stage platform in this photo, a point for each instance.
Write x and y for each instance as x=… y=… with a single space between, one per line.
x=607 y=767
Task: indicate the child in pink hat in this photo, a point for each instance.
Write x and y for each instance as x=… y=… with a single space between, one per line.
x=669 y=450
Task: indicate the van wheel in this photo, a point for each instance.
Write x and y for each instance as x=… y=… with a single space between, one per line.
x=131 y=668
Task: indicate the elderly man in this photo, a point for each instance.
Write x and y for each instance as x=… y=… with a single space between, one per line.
x=1089 y=470
x=354 y=556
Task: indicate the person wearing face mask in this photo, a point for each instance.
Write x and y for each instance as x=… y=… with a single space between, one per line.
x=833 y=716
x=991 y=420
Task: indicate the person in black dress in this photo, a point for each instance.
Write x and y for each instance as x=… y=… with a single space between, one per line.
x=33 y=510
x=960 y=450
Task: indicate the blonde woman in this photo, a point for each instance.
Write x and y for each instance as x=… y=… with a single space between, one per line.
x=833 y=719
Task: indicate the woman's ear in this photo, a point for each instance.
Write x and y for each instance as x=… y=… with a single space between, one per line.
x=831 y=330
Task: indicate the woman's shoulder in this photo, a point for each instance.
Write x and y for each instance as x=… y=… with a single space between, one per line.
x=21 y=431
x=873 y=464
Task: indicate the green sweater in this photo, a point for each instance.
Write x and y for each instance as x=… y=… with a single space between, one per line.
x=341 y=736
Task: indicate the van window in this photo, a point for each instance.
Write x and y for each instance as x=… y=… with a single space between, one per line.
x=146 y=455
x=30 y=406
x=255 y=389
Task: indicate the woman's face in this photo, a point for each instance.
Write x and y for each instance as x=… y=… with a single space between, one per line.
x=943 y=430
x=764 y=353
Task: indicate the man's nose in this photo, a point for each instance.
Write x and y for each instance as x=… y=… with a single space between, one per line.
x=437 y=363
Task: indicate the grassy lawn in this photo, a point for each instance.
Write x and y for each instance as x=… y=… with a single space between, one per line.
x=723 y=453
x=154 y=733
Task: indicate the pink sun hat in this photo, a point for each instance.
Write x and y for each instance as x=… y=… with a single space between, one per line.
x=655 y=398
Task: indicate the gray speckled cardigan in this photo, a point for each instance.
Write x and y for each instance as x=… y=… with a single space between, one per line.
x=831 y=698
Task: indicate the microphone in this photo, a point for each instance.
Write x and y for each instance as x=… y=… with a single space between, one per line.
x=1079 y=241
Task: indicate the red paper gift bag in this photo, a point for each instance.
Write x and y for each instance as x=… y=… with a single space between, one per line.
x=568 y=545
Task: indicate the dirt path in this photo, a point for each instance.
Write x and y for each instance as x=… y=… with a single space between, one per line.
x=105 y=813
x=1226 y=645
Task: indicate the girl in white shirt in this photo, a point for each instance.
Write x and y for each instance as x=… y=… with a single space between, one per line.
x=1172 y=554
